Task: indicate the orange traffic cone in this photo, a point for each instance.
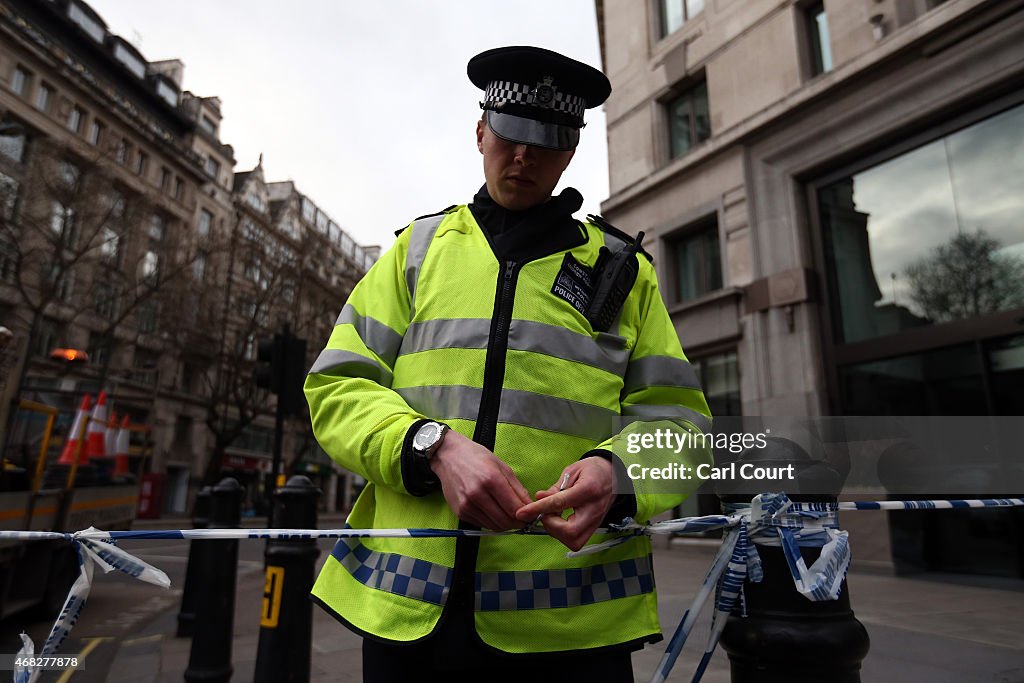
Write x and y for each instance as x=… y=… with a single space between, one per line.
x=121 y=450
x=96 y=436
x=67 y=456
x=110 y=436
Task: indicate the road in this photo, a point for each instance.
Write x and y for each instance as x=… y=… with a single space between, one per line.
x=120 y=608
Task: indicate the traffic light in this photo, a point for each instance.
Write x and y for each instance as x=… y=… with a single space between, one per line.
x=281 y=368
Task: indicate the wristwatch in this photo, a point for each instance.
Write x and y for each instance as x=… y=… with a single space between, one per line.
x=427 y=440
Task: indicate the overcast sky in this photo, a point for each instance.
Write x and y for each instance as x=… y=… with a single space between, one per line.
x=365 y=105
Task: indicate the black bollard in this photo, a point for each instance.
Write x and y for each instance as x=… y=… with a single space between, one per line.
x=784 y=636
x=286 y=623
x=193 y=578
x=210 y=657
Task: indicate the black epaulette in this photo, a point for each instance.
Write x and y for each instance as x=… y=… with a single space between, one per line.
x=426 y=215
x=607 y=227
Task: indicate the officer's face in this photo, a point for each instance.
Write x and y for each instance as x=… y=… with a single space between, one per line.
x=519 y=176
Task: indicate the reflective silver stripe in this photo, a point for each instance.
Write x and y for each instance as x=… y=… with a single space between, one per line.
x=653 y=412
x=555 y=588
x=422 y=233
x=446 y=333
x=660 y=371
x=394 y=573
x=548 y=413
x=338 y=362
x=377 y=336
x=608 y=352
x=444 y=402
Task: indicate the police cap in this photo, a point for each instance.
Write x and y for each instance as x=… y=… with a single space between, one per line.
x=536 y=96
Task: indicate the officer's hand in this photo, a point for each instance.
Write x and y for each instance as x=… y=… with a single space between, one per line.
x=590 y=492
x=479 y=487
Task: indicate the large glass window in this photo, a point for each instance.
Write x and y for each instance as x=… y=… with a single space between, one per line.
x=931 y=236
x=697 y=261
x=689 y=120
x=675 y=13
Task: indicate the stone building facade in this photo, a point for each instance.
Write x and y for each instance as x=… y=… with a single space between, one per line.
x=805 y=172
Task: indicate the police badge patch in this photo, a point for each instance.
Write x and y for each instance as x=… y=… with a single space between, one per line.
x=574 y=284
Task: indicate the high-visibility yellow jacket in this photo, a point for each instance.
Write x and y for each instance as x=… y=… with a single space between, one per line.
x=440 y=329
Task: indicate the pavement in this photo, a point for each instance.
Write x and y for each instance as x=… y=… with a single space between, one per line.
x=936 y=628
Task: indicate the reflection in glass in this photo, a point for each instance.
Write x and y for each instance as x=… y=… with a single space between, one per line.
x=933 y=235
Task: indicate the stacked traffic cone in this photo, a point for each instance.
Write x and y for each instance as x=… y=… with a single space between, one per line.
x=71 y=442
x=95 y=442
x=121 y=449
x=110 y=436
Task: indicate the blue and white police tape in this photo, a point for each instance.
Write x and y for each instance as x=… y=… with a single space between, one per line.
x=94 y=550
x=771 y=519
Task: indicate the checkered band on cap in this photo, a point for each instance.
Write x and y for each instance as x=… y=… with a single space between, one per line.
x=535 y=96
x=394 y=573
x=540 y=589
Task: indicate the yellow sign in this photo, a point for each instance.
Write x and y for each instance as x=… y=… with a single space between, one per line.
x=272 y=596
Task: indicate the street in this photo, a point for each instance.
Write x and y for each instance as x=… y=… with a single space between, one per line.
x=939 y=628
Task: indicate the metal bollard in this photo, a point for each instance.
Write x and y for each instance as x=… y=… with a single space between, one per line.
x=784 y=636
x=193 y=577
x=210 y=657
x=286 y=623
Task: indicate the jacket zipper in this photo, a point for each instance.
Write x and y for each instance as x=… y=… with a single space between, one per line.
x=494 y=361
x=462 y=596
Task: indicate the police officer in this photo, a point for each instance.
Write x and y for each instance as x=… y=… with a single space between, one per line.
x=478 y=361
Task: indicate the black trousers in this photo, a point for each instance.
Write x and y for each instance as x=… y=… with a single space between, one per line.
x=400 y=663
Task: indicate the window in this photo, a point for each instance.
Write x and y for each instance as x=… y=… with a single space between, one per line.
x=12 y=141
x=150 y=265
x=75 y=120
x=179 y=188
x=675 y=13
x=817 y=31
x=254 y=200
x=157 y=225
x=697 y=261
x=212 y=167
x=9 y=188
x=93 y=28
x=121 y=152
x=98 y=348
x=50 y=334
x=165 y=178
x=199 y=266
x=43 y=97
x=914 y=242
x=146 y=316
x=107 y=300
x=205 y=221
x=126 y=57
x=95 y=132
x=140 y=162
x=719 y=377
x=62 y=221
x=308 y=210
x=689 y=120
x=20 y=80
x=69 y=174
x=207 y=124
x=110 y=247
x=146 y=363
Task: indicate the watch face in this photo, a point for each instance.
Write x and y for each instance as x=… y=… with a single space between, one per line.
x=427 y=436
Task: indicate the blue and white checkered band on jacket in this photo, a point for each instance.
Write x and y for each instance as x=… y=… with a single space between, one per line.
x=542 y=95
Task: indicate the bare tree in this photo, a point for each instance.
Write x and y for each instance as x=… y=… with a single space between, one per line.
x=966 y=277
